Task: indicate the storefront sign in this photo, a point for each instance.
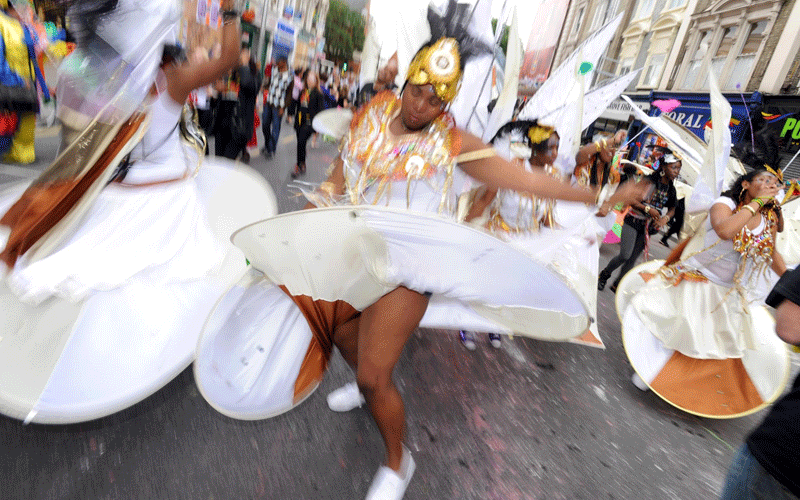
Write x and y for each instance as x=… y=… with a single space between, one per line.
x=619 y=110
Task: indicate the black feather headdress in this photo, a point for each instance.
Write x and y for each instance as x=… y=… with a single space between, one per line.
x=454 y=23
x=440 y=61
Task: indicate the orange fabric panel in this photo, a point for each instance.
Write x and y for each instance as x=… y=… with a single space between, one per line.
x=41 y=206
x=712 y=387
x=323 y=317
x=589 y=338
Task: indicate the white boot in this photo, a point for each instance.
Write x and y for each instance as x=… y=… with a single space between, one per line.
x=345 y=398
x=391 y=485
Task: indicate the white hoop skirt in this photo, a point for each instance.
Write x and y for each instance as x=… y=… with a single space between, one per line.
x=115 y=313
x=726 y=387
x=263 y=350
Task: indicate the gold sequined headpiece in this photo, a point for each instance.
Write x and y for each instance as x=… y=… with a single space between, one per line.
x=439 y=65
x=776 y=173
x=540 y=133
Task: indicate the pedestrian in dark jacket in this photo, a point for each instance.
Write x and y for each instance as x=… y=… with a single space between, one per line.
x=309 y=104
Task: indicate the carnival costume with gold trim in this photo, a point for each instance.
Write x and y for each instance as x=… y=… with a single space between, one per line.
x=696 y=329
x=267 y=344
x=561 y=235
x=115 y=279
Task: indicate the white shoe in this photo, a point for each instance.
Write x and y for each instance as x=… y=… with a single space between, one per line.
x=494 y=340
x=639 y=383
x=345 y=398
x=468 y=339
x=391 y=485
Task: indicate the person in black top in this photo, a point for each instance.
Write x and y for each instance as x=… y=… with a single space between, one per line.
x=310 y=103
x=768 y=463
x=249 y=84
x=645 y=218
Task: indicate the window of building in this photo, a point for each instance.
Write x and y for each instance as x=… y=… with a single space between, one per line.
x=579 y=20
x=653 y=71
x=645 y=8
x=674 y=4
x=724 y=48
x=743 y=64
x=625 y=66
x=599 y=15
x=697 y=60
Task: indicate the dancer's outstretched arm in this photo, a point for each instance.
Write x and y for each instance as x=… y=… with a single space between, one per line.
x=498 y=173
x=182 y=79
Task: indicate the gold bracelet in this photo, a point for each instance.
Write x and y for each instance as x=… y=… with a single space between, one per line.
x=752 y=210
x=605 y=143
x=598 y=146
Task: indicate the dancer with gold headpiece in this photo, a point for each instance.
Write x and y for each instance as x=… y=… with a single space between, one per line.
x=385 y=257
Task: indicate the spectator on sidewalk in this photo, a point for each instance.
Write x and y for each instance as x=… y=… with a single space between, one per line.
x=275 y=107
x=766 y=465
x=297 y=87
x=310 y=103
x=20 y=69
x=249 y=84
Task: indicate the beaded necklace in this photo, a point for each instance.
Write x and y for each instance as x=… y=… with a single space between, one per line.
x=758 y=247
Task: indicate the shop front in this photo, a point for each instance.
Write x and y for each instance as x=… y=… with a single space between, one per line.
x=779 y=121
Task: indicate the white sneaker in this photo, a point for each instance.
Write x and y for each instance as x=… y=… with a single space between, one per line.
x=345 y=398
x=468 y=339
x=494 y=340
x=639 y=383
x=391 y=485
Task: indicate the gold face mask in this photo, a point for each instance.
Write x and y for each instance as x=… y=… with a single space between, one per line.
x=438 y=65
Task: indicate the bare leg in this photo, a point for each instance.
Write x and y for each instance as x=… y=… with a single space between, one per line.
x=345 y=338
x=383 y=330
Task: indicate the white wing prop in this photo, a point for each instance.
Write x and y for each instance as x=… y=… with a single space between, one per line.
x=563 y=90
x=470 y=107
x=504 y=107
x=371 y=55
x=712 y=173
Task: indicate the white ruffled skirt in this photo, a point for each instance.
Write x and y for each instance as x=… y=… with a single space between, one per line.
x=697 y=347
x=267 y=343
x=115 y=312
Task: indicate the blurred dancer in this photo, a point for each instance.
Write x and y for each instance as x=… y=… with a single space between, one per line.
x=645 y=219
x=124 y=237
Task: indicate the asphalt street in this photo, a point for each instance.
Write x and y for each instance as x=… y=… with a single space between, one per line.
x=531 y=420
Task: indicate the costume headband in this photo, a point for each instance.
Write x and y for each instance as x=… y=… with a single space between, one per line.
x=671 y=158
x=439 y=65
x=540 y=133
x=776 y=173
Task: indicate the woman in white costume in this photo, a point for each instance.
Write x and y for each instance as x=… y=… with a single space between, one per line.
x=363 y=276
x=560 y=235
x=115 y=269
x=695 y=329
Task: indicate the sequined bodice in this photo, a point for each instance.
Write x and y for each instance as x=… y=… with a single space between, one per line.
x=414 y=171
x=516 y=212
